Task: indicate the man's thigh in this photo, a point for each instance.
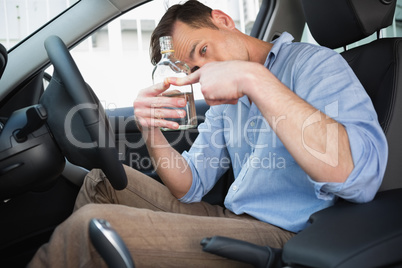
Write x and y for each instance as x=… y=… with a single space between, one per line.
x=142 y=191
x=157 y=238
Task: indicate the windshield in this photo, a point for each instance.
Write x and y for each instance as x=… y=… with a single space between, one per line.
x=20 y=18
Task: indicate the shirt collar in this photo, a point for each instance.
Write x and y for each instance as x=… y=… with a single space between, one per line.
x=284 y=38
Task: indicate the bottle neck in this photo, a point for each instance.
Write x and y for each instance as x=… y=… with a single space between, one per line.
x=167 y=54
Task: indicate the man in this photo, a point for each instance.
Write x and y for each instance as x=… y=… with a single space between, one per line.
x=293 y=119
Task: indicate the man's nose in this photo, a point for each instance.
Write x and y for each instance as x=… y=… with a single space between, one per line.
x=198 y=64
x=195 y=68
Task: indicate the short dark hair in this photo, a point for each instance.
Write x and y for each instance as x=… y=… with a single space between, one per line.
x=192 y=13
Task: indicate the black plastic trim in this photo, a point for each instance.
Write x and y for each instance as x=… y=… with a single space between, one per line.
x=264 y=16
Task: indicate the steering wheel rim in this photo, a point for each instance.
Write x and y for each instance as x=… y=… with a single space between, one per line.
x=72 y=99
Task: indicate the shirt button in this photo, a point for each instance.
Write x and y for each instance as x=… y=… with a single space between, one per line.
x=252 y=123
x=234 y=188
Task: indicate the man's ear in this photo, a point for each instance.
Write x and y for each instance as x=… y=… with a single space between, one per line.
x=220 y=19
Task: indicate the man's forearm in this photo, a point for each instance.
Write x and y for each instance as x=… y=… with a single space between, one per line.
x=171 y=167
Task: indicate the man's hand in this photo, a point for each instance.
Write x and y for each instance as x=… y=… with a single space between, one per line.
x=151 y=108
x=221 y=82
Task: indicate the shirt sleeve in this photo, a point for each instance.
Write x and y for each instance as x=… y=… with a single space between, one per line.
x=208 y=157
x=327 y=82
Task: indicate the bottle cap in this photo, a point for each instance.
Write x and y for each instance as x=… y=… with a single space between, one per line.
x=166 y=43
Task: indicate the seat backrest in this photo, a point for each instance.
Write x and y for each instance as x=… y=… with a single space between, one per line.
x=3 y=59
x=375 y=64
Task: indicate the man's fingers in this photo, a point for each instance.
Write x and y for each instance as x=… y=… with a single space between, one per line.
x=186 y=80
x=156 y=89
x=160 y=113
x=157 y=102
x=156 y=122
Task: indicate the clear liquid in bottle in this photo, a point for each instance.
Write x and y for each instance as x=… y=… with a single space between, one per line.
x=169 y=66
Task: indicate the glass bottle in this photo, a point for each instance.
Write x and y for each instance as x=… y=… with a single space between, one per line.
x=169 y=66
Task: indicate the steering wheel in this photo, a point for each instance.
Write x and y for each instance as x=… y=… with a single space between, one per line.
x=77 y=119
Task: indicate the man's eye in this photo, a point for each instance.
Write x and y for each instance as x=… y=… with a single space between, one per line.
x=204 y=50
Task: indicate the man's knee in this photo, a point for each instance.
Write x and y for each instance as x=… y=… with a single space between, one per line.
x=89 y=211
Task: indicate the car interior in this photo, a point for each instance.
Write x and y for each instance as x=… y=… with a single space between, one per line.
x=41 y=169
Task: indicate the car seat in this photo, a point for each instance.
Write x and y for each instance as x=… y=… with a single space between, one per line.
x=348 y=234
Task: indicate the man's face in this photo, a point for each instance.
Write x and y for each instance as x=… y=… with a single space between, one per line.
x=197 y=47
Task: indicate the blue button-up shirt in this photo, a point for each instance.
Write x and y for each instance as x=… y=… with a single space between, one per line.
x=269 y=184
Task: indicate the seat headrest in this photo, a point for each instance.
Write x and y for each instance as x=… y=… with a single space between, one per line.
x=3 y=59
x=337 y=23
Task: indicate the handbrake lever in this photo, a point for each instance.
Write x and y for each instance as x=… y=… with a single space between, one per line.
x=258 y=256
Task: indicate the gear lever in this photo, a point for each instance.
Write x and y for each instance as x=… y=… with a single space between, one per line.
x=109 y=244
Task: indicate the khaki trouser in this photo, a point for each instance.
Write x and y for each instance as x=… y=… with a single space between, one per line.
x=159 y=230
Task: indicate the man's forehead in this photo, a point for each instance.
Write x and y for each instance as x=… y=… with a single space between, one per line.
x=185 y=41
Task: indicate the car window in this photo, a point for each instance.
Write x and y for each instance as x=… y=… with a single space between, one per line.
x=115 y=60
x=20 y=18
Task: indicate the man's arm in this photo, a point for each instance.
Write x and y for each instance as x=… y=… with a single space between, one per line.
x=319 y=144
x=275 y=100
x=149 y=111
